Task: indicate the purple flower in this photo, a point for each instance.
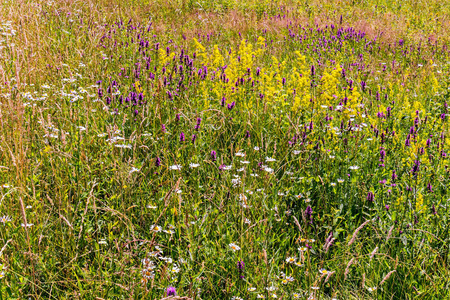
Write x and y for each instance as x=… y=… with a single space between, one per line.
x=415 y=167
x=158 y=162
x=194 y=137
x=171 y=291
x=177 y=118
x=370 y=197
x=230 y=106
x=163 y=128
x=308 y=214
x=213 y=155
x=394 y=176
x=240 y=266
x=182 y=137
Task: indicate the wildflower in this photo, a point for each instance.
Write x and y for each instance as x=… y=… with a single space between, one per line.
x=268 y=170
x=296 y=295
x=5 y=219
x=175 y=269
x=182 y=137
x=371 y=289
x=291 y=260
x=27 y=225
x=270 y=159
x=340 y=180
x=256 y=148
x=155 y=228
x=147 y=274
x=298 y=263
x=234 y=247
x=251 y=289
x=240 y=266
x=158 y=162
x=236 y=298
x=302 y=249
x=171 y=291
x=175 y=167
x=353 y=167
x=194 y=165
x=213 y=155
x=260 y=296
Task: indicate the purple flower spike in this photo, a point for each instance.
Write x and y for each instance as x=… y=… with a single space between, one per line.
x=240 y=266
x=171 y=291
x=213 y=155
x=182 y=137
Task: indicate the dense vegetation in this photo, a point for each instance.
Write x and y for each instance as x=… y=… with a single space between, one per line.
x=224 y=150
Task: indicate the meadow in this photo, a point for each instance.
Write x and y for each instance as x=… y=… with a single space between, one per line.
x=224 y=149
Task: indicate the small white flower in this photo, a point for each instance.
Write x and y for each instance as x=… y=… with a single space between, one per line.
x=268 y=170
x=291 y=260
x=256 y=148
x=234 y=247
x=240 y=154
x=194 y=165
x=175 y=167
x=155 y=228
x=296 y=152
x=251 y=289
x=353 y=167
x=270 y=159
x=133 y=169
